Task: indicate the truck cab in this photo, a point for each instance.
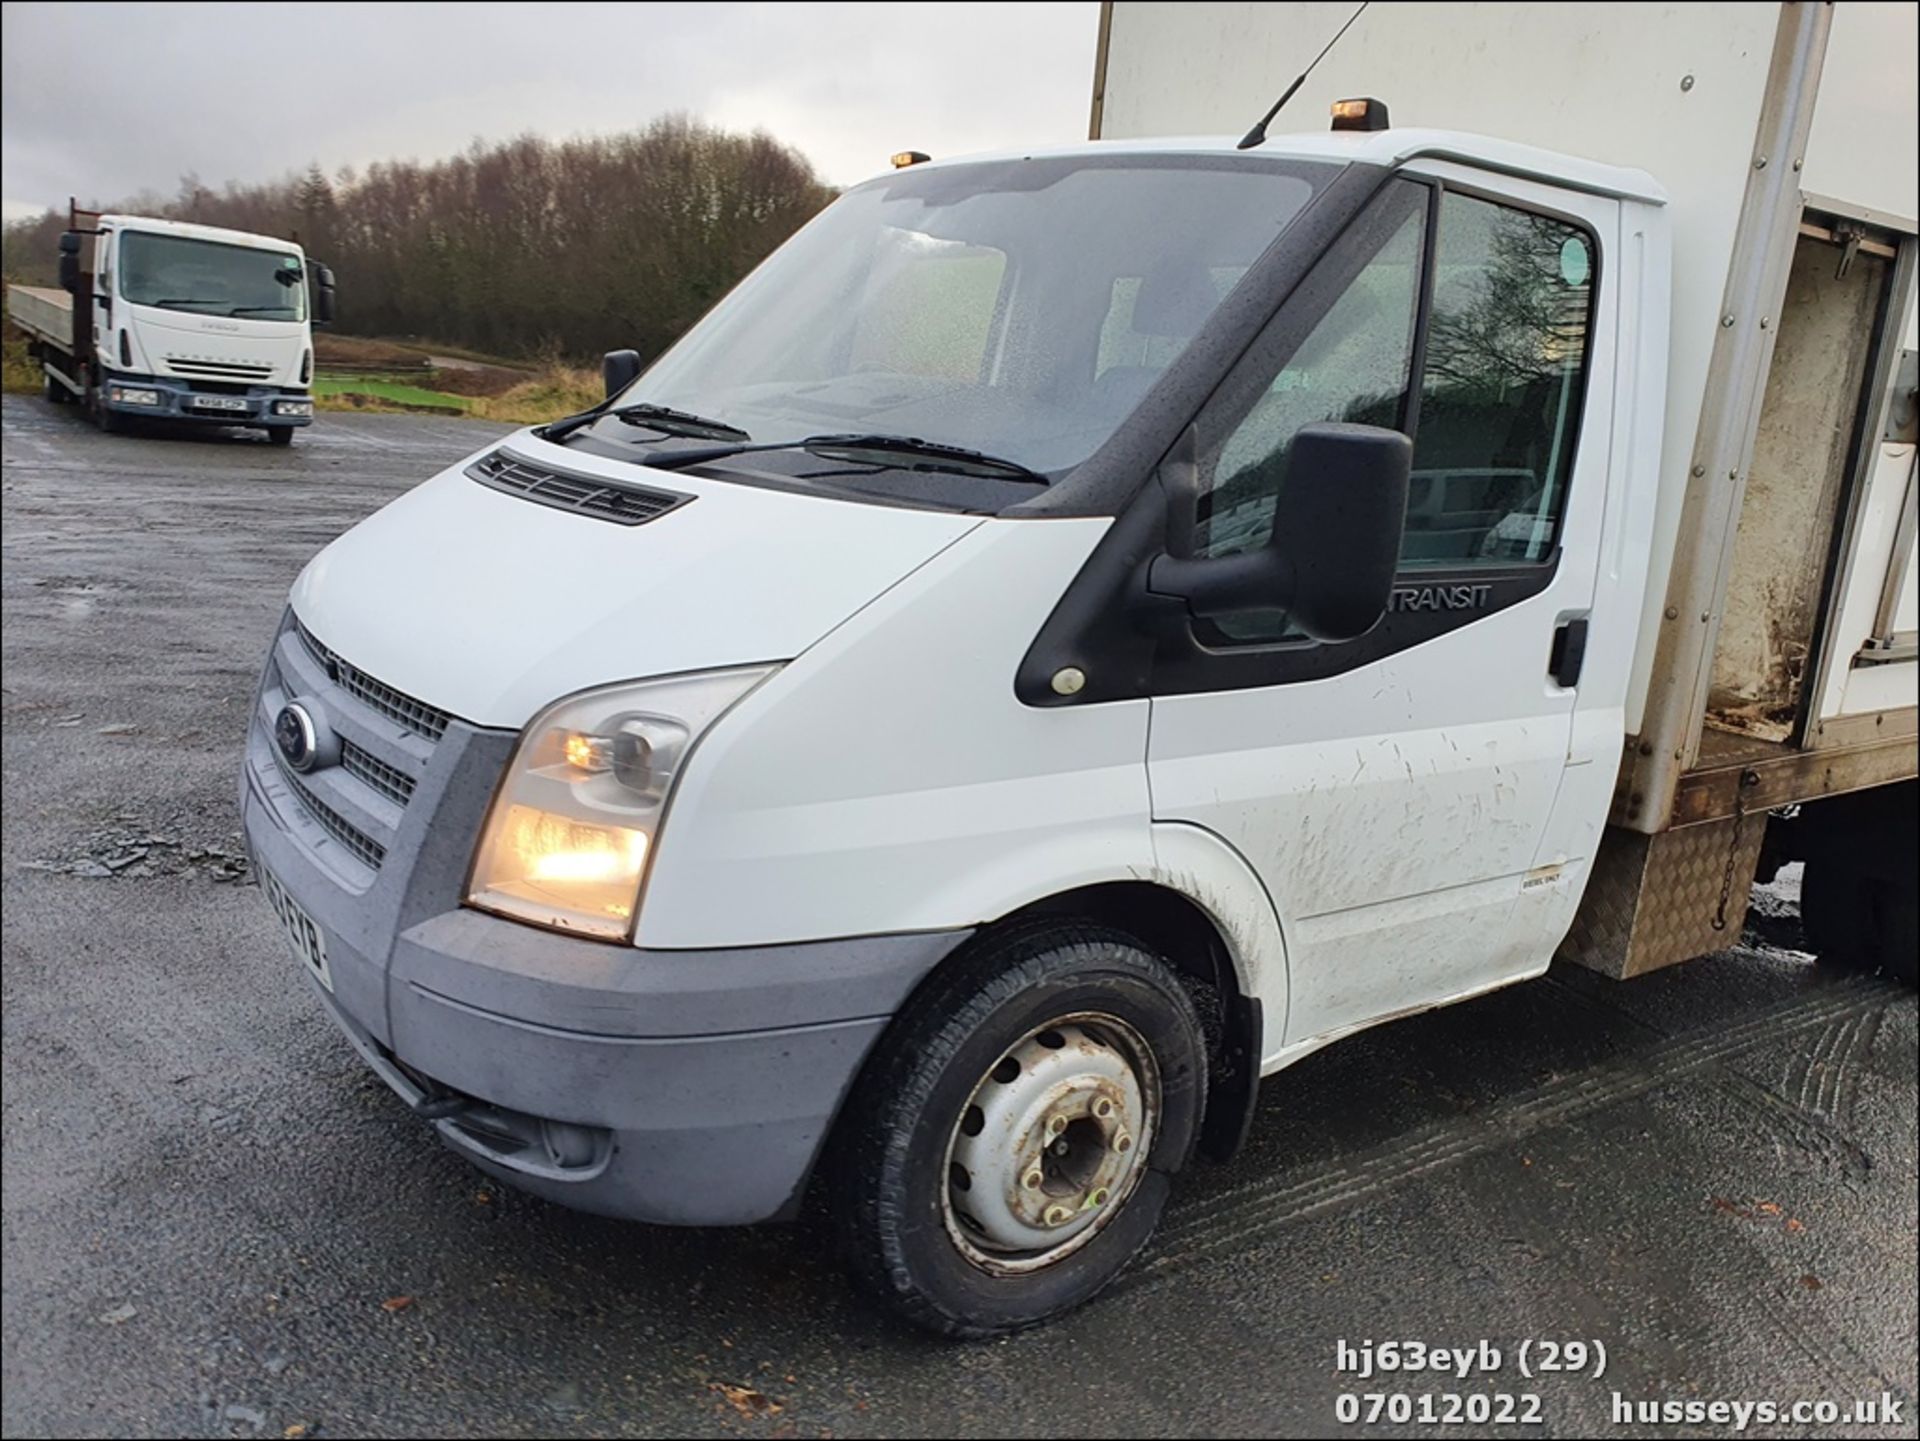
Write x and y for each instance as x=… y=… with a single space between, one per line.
x=1073 y=632
x=189 y=323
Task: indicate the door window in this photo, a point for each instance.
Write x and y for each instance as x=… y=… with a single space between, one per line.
x=1501 y=386
x=1353 y=363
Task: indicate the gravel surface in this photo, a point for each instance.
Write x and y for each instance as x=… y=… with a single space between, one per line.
x=216 y=1222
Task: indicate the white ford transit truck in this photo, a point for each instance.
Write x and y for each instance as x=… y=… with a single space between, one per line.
x=165 y=320
x=1079 y=629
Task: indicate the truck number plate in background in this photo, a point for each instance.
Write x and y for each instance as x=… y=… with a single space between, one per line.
x=302 y=934
x=220 y=402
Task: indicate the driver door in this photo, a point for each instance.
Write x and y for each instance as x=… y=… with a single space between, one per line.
x=1395 y=791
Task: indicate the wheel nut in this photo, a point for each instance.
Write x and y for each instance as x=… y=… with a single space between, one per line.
x=1033 y=1179
x=1057 y=1216
x=1098 y=1198
x=1103 y=1108
x=1123 y=1143
x=1056 y=1124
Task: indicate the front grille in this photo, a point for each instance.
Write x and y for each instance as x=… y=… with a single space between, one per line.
x=220 y=369
x=392 y=782
x=416 y=716
x=584 y=495
x=365 y=848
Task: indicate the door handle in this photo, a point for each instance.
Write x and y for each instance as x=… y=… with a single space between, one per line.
x=1569 y=652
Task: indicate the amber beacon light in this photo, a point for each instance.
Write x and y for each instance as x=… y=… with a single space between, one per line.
x=1364 y=113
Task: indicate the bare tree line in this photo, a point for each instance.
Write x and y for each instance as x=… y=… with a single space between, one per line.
x=522 y=247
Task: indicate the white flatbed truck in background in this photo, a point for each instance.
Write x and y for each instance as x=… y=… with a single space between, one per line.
x=1771 y=714
x=160 y=319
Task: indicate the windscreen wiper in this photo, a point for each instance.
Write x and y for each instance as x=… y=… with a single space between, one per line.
x=900 y=452
x=256 y=309
x=657 y=417
x=185 y=300
x=669 y=421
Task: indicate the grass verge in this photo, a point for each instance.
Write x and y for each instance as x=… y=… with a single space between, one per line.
x=363 y=392
x=546 y=394
x=21 y=372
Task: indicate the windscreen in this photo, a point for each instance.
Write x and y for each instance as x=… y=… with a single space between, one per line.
x=206 y=277
x=1017 y=308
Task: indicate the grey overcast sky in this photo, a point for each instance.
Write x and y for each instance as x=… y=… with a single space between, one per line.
x=105 y=100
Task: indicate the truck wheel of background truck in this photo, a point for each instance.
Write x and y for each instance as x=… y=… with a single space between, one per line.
x=1008 y=1147
x=57 y=394
x=109 y=421
x=1859 y=898
x=281 y=435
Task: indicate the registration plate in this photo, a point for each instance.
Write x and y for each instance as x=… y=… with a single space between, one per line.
x=302 y=934
x=220 y=402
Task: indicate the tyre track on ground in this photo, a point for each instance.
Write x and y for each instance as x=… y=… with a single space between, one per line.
x=1253 y=1210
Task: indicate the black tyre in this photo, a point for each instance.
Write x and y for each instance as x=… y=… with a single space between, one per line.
x=1856 y=921
x=109 y=421
x=281 y=435
x=56 y=393
x=1007 y=1149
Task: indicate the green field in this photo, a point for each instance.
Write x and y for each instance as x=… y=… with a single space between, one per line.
x=391 y=389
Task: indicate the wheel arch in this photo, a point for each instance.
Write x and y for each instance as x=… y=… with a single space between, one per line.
x=1177 y=927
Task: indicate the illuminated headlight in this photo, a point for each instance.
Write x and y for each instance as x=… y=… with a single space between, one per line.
x=125 y=395
x=567 y=842
x=293 y=407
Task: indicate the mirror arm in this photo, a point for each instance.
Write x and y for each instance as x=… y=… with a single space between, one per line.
x=1261 y=579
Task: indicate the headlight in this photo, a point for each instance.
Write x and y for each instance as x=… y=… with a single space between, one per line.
x=567 y=841
x=293 y=407
x=124 y=395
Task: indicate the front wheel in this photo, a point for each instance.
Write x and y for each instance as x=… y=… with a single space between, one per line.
x=281 y=435
x=1008 y=1148
x=111 y=422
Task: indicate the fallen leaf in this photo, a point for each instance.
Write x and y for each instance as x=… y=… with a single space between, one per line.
x=1810 y=1281
x=396 y=1303
x=483 y=1198
x=297 y=1429
x=1795 y=1224
x=120 y=1314
x=747 y=1401
x=1768 y=1208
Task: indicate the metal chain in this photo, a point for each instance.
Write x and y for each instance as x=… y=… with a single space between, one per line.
x=1748 y=779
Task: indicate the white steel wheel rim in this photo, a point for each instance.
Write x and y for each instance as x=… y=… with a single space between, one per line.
x=1051 y=1143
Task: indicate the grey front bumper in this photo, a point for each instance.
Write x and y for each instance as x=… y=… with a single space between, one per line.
x=178 y=399
x=683 y=1087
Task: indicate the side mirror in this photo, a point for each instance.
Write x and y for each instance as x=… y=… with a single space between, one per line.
x=69 y=261
x=618 y=370
x=1335 y=545
x=322 y=293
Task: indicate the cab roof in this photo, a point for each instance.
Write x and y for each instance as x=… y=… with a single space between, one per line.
x=1388 y=148
x=189 y=231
